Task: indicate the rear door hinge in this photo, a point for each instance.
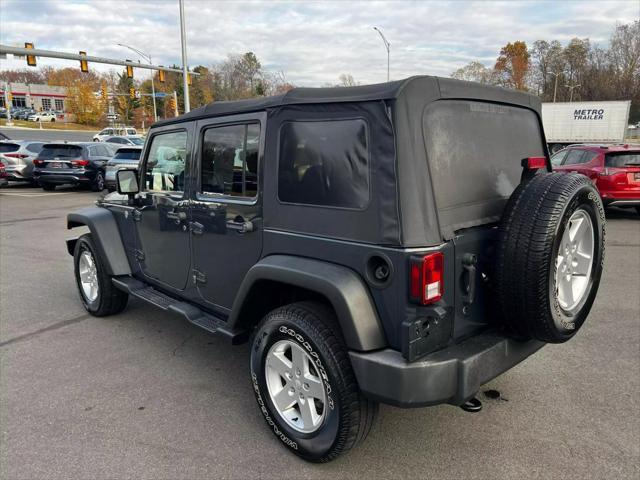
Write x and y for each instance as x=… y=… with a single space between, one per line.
x=199 y=277
x=136 y=215
x=139 y=254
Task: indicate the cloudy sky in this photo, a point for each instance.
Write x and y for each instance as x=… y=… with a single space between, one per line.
x=312 y=42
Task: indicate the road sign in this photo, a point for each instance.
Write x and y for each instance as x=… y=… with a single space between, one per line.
x=112 y=116
x=160 y=94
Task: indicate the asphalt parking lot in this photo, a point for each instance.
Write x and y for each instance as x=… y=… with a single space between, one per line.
x=147 y=395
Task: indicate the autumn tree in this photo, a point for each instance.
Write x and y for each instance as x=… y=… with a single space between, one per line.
x=512 y=65
x=81 y=88
x=475 y=72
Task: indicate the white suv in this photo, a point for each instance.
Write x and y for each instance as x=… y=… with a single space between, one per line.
x=43 y=117
x=114 y=131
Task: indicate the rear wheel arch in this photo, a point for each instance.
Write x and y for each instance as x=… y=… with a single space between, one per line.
x=279 y=280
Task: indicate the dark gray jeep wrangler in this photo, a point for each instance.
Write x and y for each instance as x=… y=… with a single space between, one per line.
x=401 y=243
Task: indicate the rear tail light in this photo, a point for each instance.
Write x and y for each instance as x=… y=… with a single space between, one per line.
x=608 y=171
x=16 y=155
x=38 y=163
x=535 y=163
x=79 y=163
x=427 y=278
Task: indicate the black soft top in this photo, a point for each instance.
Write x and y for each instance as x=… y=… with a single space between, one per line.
x=360 y=93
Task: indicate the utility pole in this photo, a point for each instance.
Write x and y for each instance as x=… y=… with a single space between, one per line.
x=387 y=45
x=185 y=70
x=555 y=85
x=8 y=98
x=571 y=88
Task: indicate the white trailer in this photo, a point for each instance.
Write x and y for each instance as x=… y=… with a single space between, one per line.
x=584 y=122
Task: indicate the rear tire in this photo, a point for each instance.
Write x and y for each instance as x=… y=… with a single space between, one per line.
x=550 y=256
x=328 y=414
x=99 y=297
x=98 y=183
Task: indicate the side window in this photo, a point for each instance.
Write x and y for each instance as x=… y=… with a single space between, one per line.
x=573 y=157
x=102 y=151
x=324 y=163
x=229 y=163
x=35 y=147
x=166 y=160
x=558 y=158
x=93 y=151
x=588 y=156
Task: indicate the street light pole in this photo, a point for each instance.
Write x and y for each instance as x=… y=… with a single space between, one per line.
x=387 y=45
x=185 y=71
x=571 y=88
x=555 y=85
x=146 y=57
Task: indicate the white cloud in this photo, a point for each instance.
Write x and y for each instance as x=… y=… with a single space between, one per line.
x=312 y=42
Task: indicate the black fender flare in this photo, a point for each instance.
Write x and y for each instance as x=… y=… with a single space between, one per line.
x=342 y=287
x=106 y=235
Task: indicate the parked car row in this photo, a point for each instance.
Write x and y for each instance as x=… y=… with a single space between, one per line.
x=49 y=164
x=30 y=114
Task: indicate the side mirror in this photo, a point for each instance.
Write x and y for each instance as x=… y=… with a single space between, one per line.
x=127 y=182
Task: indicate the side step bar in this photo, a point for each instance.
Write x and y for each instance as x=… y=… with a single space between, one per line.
x=191 y=312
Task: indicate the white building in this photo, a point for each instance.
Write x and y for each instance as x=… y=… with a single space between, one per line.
x=38 y=96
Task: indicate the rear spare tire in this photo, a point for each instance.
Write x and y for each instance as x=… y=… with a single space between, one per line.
x=550 y=256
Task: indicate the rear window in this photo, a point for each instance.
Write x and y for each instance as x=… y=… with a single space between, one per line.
x=127 y=155
x=8 y=147
x=136 y=141
x=324 y=163
x=60 y=151
x=474 y=150
x=619 y=160
x=131 y=131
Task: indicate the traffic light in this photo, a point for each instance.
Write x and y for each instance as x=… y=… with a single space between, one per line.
x=84 y=65
x=161 y=76
x=171 y=107
x=129 y=70
x=103 y=92
x=31 y=59
x=132 y=93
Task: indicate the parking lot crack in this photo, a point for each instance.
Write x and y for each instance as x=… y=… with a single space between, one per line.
x=55 y=326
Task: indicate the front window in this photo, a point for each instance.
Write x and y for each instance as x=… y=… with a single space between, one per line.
x=164 y=170
x=324 y=163
x=229 y=163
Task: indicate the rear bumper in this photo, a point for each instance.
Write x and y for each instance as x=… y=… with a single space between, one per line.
x=621 y=202
x=61 y=178
x=452 y=375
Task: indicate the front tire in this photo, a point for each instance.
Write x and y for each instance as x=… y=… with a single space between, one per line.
x=99 y=297
x=304 y=384
x=48 y=187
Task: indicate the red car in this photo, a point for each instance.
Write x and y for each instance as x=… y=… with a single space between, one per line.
x=3 y=175
x=614 y=169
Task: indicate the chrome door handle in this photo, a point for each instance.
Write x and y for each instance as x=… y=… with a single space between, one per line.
x=240 y=227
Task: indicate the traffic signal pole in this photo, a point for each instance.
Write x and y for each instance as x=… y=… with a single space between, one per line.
x=36 y=52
